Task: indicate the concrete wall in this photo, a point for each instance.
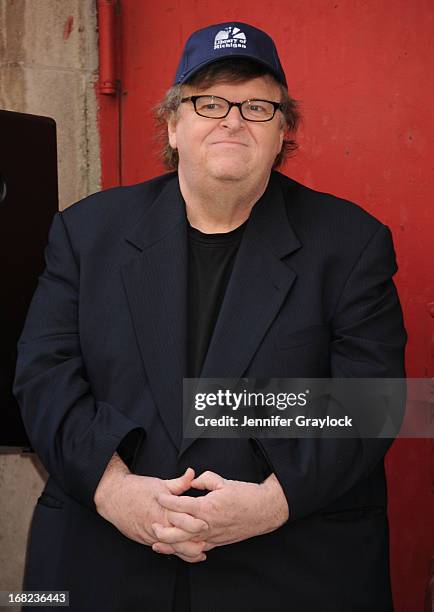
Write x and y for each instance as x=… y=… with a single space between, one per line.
x=48 y=66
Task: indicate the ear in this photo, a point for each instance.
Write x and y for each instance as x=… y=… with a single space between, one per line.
x=171 y=131
x=282 y=137
x=282 y=133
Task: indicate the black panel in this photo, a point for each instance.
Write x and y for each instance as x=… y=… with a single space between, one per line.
x=28 y=201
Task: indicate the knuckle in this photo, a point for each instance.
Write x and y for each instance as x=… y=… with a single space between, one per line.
x=144 y=537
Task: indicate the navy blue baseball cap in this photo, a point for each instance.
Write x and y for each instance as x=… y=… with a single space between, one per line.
x=224 y=41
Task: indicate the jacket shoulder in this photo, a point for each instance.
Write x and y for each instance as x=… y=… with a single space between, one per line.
x=121 y=205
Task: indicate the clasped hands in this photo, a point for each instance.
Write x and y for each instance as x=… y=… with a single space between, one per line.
x=231 y=511
x=154 y=512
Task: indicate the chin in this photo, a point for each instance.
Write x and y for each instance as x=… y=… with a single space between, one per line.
x=229 y=172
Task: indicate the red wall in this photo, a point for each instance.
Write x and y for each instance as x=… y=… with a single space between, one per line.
x=363 y=71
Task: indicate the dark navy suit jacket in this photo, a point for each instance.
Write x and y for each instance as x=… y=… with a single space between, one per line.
x=103 y=354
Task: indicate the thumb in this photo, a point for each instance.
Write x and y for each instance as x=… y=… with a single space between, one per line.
x=208 y=480
x=181 y=484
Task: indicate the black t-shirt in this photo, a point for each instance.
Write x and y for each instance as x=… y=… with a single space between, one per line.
x=210 y=261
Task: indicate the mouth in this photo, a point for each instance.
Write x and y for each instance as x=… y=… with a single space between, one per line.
x=230 y=142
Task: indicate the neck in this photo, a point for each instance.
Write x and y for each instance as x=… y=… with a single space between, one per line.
x=215 y=206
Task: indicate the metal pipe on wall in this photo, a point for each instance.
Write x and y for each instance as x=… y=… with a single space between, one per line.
x=106 y=47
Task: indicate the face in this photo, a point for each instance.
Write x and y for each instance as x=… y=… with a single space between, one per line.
x=228 y=149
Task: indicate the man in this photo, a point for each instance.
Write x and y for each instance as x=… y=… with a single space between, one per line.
x=224 y=268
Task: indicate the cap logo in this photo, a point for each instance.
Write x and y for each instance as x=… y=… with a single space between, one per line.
x=230 y=37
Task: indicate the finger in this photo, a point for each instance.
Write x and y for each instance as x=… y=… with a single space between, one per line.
x=186 y=522
x=165 y=549
x=169 y=550
x=170 y=535
x=183 y=503
x=201 y=557
x=182 y=483
x=208 y=480
x=189 y=550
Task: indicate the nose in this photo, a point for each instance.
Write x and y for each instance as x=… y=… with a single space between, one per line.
x=233 y=119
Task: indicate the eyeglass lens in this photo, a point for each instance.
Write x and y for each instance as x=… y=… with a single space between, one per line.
x=216 y=108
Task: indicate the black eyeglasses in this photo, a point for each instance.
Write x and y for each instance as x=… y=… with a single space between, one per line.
x=215 y=107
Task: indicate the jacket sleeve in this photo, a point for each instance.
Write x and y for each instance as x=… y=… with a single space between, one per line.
x=73 y=434
x=368 y=342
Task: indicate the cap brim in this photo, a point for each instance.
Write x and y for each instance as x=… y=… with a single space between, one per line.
x=213 y=60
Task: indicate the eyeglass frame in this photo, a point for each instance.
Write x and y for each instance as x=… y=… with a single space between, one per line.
x=276 y=106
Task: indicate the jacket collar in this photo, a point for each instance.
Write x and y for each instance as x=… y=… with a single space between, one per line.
x=168 y=210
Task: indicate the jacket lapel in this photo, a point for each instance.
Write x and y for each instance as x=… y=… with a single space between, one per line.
x=156 y=287
x=259 y=283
